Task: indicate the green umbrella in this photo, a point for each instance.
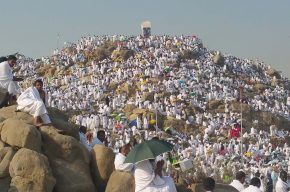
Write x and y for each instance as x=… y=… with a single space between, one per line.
x=148 y=150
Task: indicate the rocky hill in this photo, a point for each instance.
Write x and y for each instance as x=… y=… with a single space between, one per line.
x=41 y=159
x=258 y=77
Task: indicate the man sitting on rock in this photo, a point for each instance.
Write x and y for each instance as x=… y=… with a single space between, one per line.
x=32 y=101
x=120 y=158
x=7 y=80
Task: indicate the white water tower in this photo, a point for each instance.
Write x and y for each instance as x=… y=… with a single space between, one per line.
x=146 y=28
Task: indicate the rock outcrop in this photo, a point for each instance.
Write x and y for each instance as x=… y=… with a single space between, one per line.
x=102 y=165
x=69 y=161
x=16 y=133
x=61 y=121
x=10 y=112
x=40 y=158
x=218 y=59
x=121 y=182
x=30 y=171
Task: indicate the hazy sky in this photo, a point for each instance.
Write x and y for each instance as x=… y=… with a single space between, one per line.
x=246 y=28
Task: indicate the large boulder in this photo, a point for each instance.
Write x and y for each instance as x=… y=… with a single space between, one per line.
x=58 y=118
x=4 y=97
x=30 y=171
x=6 y=155
x=102 y=165
x=121 y=182
x=47 y=72
x=174 y=123
x=60 y=121
x=214 y=104
x=19 y=134
x=218 y=59
x=260 y=87
x=113 y=86
x=122 y=55
x=148 y=96
x=128 y=109
x=272 y=72
x=237 y=106
x=188 y=55
x=69 y=161
x=130 y=90
x=10 y=112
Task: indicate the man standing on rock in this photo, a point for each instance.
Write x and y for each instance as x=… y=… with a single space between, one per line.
x=7 y=80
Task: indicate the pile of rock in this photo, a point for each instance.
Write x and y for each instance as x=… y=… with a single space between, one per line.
x=41 y=159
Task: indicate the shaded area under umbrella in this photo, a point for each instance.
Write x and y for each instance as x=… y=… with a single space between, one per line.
x=149 y=149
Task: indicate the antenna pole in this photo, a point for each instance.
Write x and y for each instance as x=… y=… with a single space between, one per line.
x=241 y=137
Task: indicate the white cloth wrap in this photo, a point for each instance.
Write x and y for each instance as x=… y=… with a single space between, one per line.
x=146 y=181
x=30 y=102
x=6 y=79
x=120 y=165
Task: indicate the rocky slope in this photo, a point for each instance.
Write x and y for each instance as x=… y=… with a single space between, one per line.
x=40 y=159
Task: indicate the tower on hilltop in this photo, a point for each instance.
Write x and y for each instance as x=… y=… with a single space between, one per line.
x=146 y=28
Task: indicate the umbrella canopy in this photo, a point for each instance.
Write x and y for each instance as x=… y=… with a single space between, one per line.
x=148 y=150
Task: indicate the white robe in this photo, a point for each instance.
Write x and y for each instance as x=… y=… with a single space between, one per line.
x=120 y=165
x=147 y=181
x=29 y=101
x=252 y=188
x=145 y=123
x=6 y=79
x=281 y=186
x=237 y=185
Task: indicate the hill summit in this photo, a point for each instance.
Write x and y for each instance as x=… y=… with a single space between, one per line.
x=136 y=88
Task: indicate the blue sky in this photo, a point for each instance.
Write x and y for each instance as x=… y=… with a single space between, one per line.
x=249 y=28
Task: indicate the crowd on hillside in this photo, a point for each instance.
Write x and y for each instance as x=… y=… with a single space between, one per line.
x=161 y=79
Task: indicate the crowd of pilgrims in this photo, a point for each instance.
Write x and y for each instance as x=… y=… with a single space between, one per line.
x=86 y=89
